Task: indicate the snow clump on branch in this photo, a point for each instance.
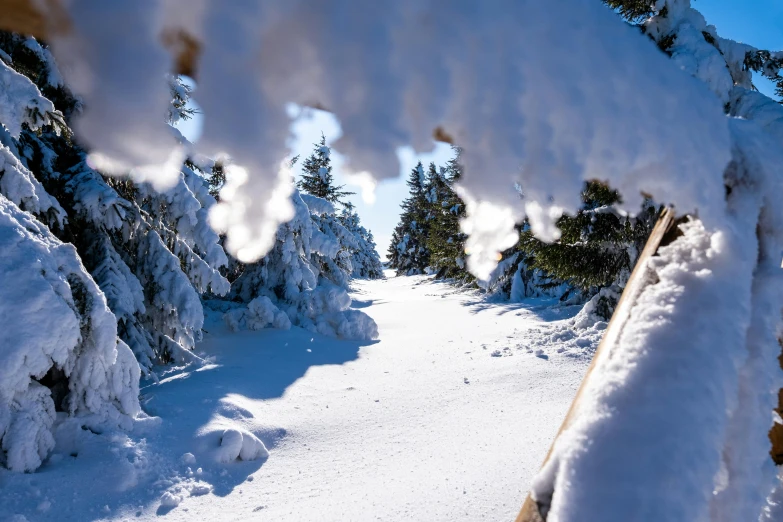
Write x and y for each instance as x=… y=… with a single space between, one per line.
x=527 y=129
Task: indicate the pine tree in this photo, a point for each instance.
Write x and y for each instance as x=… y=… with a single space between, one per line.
x=317 y=179
x=597 y=249
x=303 y=277
x=80 y=367
x=151 y=253
x=365 y=260
x=446 y=241
x=408 y=253
x=632 y=10
x=655 y=20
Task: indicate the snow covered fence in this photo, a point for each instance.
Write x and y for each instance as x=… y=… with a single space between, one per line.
x=536 y=509
x=683 y=385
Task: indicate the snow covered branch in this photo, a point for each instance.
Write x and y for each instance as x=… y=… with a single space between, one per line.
x=408 y=77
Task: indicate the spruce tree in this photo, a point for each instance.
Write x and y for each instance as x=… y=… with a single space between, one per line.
x=317 y=179
x=304 y=279
x=598 y=247
x=409 y=242
x=446 y=242
x=80 y=367
x=152 y=254
x=365 y=261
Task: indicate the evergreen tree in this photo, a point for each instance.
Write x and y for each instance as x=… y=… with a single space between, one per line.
x=654 y=19
x=408 y=253
x=595 y=254
x=304 y=277
x=365 y=260
x=80 y=367
x=123 y=267
x=317 y=179
x=357 y=256
x=597 y=249
x=446 y=242
x=152 y=254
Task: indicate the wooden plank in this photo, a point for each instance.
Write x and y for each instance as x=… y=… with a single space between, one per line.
x=664 y=232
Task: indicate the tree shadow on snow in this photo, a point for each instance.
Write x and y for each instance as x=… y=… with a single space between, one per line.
x=165 y=460
x=547 y=309
x=359 y=303
x=542 y=308
x=197 y=404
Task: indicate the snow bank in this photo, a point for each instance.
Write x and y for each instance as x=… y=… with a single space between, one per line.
x=87 y=371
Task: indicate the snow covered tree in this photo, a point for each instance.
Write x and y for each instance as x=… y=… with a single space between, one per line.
x=681 y=31
x=408 y=253
x=514 y=279
x=365 y=260
x=597 y=249
x=303 y=279
x=595 y=254
x=79 y=367
x=446 y=242
x=357 y=256
x=151 y=253
x=317 y=179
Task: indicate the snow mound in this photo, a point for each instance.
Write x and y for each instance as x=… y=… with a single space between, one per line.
x=240 y=444
x=188 y=458
x=258 y=314
x=577 y=337
x=326 y=310
x=170 y=499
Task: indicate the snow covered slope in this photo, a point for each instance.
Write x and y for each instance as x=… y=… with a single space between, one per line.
x=447 y=417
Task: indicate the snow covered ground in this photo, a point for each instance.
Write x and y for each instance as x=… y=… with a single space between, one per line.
x=446 y=417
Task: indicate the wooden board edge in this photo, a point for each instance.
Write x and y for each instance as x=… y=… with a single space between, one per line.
x=662 y=234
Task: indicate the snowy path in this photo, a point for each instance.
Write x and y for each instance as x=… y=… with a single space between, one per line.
x=424 y=425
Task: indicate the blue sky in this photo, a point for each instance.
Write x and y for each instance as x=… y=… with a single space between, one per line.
x=757 y=22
